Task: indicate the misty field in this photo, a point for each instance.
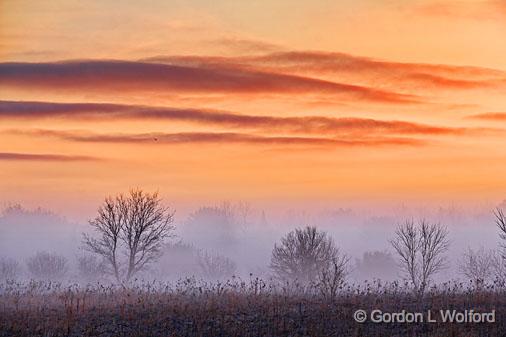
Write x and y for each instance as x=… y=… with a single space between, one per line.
x=235 y=308
x=130 y=277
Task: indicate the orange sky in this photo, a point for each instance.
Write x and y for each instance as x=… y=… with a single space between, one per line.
x=274 y=102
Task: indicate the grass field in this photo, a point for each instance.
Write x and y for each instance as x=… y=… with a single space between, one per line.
x=236 y=308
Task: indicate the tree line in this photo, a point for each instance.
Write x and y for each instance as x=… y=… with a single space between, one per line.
x=130 y=230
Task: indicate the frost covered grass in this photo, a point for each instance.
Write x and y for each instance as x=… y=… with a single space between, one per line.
x=236 y=307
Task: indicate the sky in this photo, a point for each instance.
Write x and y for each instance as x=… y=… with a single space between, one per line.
x=279 y=103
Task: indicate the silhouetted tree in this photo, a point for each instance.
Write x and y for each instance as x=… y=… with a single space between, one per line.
x=500 y=221
x=332 y=276
x=42 y=228
x=90 y=268
x=215 y=266
x=9 y=269
x=47 y=266
x=303 y=255
x=376 y=264
x=179 y=259
x=421 y=248
x=478 y=265
x=499 y=269
x=134 y=226
x=242 y=212
x=217 y=225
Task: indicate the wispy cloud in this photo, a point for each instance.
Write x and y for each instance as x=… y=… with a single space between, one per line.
x=492 y=116
x=244 y=45
x=13 y=156
x=306 y=124
x=365 y=69
x=105 y=75
x=474 y=10
x=217 y=138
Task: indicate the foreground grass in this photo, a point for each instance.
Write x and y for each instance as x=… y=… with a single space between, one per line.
x=235 y=308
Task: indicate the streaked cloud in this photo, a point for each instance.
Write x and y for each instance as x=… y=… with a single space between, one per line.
x=244 y=45
x=333 y=101
x=13 y=156
x=103 y=75
x=305 y=124
x=217 y=138
x=492 y=116
x=475 y=10
x=315 y=63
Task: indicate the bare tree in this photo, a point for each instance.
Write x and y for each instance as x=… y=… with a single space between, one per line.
x=47 y=266
x=499 y=264
x=130 y=231
x=90 y=268
x=499 y=269
x=218 y=225
x=179 y=259
x=376 y=264
x=9 y=269
x=107 y=226
x=500 y=221
x=332 y=277
x=478 y=265
x=421 y=248
x=242 y=213
x=215 y=267
x=302 y=255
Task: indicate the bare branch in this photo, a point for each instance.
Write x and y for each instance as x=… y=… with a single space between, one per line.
x=500 y=221
x=421 y=249
x=215 y=267
x=302 y=255
x=135 y=225
x=47 y=266
x=478 y=265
